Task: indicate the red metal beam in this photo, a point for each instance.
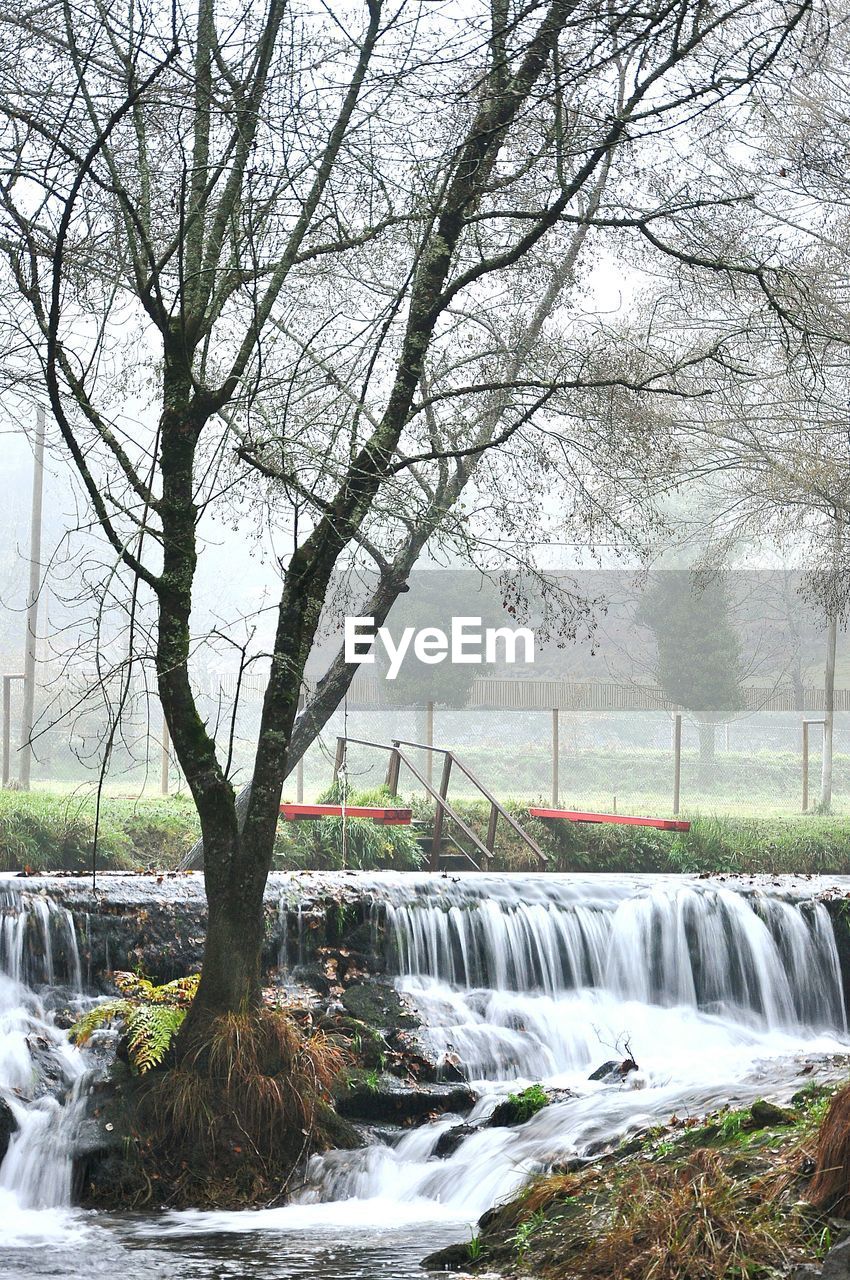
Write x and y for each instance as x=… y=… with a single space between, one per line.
x=575 y=815
x=388 y=817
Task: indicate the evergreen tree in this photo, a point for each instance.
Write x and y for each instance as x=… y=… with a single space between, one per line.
x=698 y=651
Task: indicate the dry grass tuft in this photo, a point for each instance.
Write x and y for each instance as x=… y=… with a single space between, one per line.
x=242 y=1112
x=687 y=1222
x=830 y=1186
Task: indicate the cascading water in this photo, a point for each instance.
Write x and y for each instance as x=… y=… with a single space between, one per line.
x=715 y=992
x=41 y=1074
x=719 y=992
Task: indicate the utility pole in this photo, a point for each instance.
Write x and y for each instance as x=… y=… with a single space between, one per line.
x=28 y=713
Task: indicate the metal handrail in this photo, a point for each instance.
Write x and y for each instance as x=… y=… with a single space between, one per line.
x=488 y=795
x=442 y=802
x=444 y=809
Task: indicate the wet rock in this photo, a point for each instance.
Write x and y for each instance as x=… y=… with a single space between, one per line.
x=378 y=1005
x=8 y=1126
x=836 y=1264
x=312 y=976
x=764 y=1115
x=454 y=1257
x=386 y=1098
x=389 y=1135
x=614 y=1071
x=448 y=1142
x=339 y=1132
x=419 y=1059
x=49 y=1069
x=517 y=1108
x=98 y=1155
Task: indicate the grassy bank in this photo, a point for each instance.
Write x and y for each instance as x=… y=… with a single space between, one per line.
x=40 y=831
x=706 y=1200
x=807 y=844
x=47 y=832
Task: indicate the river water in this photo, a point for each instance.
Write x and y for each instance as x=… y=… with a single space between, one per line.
x=719 y=993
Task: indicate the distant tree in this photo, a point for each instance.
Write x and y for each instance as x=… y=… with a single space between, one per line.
x=698 y=651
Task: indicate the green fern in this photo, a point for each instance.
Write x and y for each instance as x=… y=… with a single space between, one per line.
x=150 y=1030
x=150 y=1016
x=100 y=1016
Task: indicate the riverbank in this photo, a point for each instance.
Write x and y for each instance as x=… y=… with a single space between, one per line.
x=693 y=1199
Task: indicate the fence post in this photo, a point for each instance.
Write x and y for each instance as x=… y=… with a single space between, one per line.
x=556 y=751
x=437 y=838
x=393 y=770
x=805 y=765
x=339 y=758
x=164 y=759
x=677 y=761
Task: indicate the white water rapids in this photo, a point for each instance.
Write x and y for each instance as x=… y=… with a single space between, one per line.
x=720 y=993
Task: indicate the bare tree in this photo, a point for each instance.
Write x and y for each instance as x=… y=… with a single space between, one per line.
x=218 y=214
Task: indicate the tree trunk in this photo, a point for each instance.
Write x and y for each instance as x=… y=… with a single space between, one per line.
x=828 y=716
x=231 y=977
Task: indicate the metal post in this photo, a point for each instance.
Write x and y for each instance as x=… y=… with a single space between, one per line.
x=429 y=742
x=437 y=839
x=393 y=771
x=677 y=761
x=7 y=727
x=165 y=759
x=339 y=759
x=28 y=711
x=556 y=751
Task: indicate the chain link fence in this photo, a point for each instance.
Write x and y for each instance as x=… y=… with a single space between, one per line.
x=619 y=759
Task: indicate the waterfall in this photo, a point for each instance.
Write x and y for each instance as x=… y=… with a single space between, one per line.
x=718 y=992
x=758 y=958
x=42 y=1075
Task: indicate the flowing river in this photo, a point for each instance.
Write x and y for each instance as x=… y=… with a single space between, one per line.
x=721 y=993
